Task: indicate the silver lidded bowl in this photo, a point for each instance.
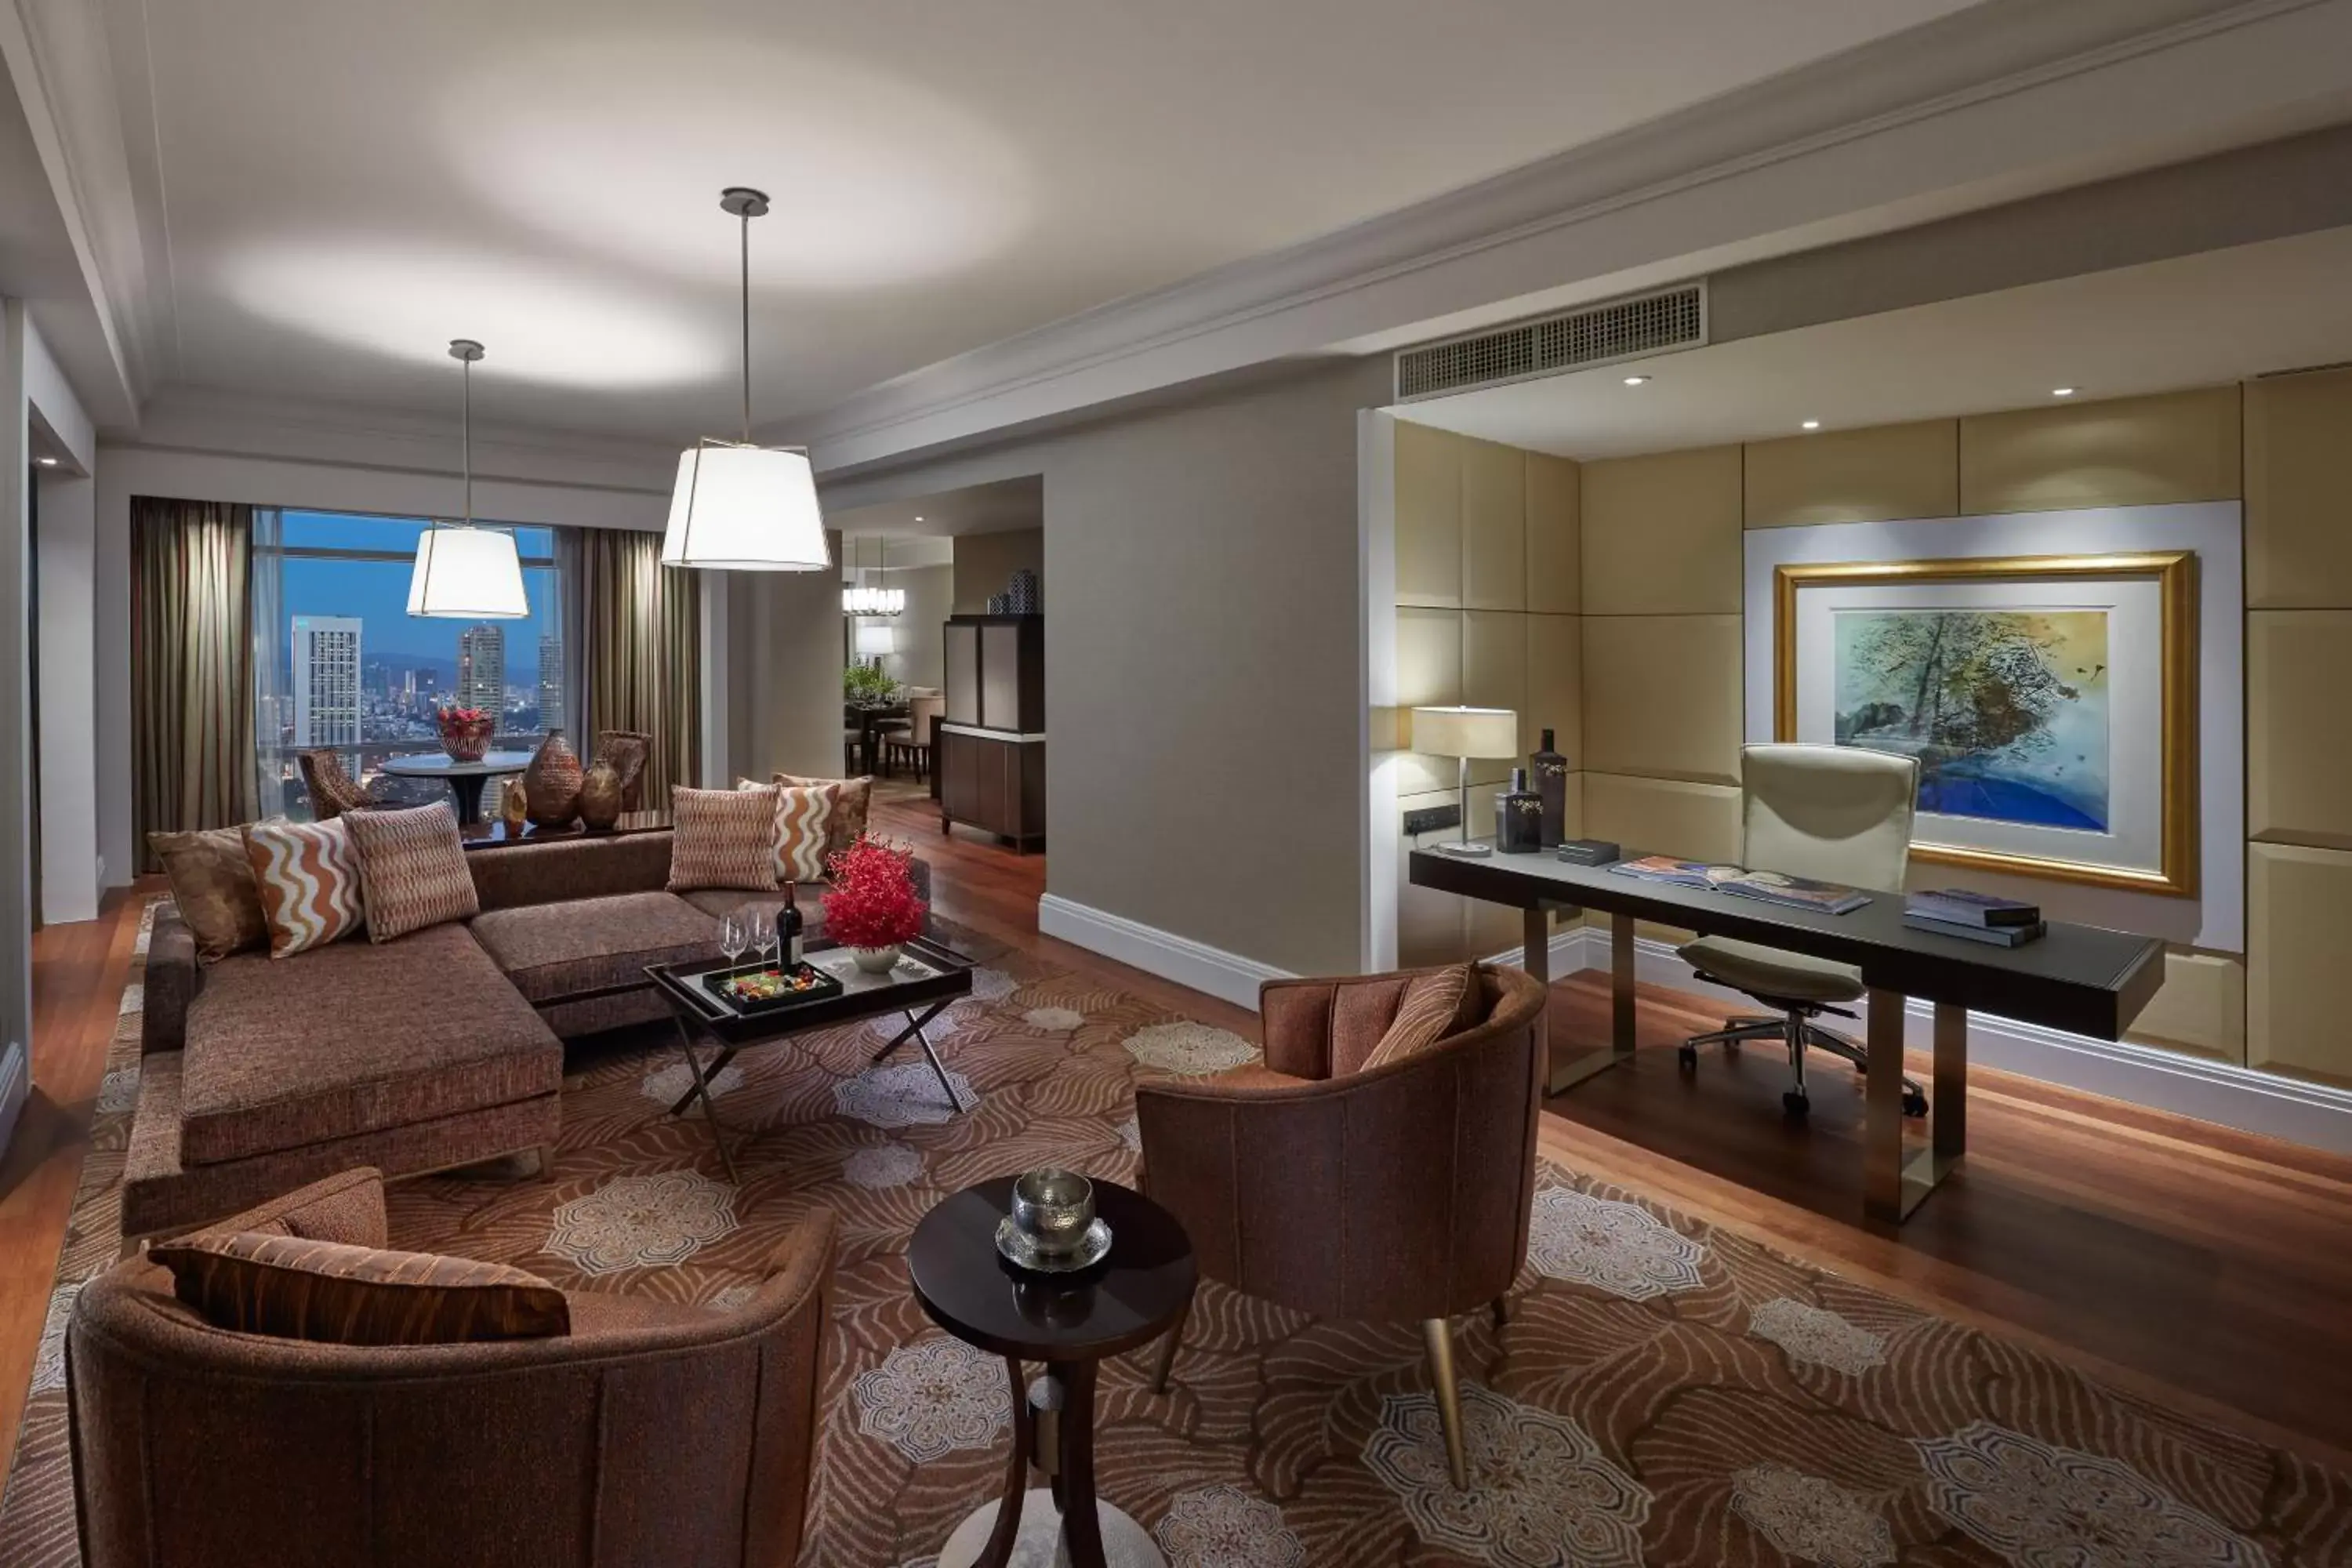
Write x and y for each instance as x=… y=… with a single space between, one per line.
x=1052 y=1209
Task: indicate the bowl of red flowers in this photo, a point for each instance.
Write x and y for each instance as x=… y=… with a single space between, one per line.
x=871 y=906
x=465 y=731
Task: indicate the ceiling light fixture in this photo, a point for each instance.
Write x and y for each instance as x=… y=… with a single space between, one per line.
x=52 y=462
x=467 y=573
x=740 y=506
x=1813 y=425
x=2061 y=392
x=1637 y=381
x=859 y=599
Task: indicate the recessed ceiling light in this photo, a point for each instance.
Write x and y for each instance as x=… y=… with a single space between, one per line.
x=46 y=462
x=919 y=517
x=1813 y=425
x=2061 y=392
x=1637 y=381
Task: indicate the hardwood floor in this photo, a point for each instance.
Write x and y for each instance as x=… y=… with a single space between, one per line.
x=2201 y=1267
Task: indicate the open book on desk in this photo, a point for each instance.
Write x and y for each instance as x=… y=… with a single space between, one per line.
x=1766 y=886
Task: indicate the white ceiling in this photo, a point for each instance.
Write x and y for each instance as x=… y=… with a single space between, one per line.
x=998 y=507
x=344 y=188
x=2219 y=316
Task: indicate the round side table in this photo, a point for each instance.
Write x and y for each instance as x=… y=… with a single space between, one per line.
x=1066 y=1325
x=464 y=779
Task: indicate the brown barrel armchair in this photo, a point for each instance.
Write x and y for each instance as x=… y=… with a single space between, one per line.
x=656 y=1433
x=1397 y=1193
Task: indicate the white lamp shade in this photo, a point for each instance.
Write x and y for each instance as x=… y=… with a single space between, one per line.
x=1466 y=731
x=468 y=575
x=876 y=639
x=745 y=509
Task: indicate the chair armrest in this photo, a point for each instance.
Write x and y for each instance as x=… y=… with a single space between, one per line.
x=172 y=981
x=1295 y=1025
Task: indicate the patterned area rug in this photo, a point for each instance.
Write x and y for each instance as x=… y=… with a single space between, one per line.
x=1665 y=1392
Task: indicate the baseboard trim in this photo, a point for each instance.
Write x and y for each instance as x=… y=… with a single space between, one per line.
x=1228 y=976
x=15 y=1088
x=2314 y=1115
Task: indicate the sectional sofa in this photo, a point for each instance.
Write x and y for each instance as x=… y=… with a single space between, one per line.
x=442 y=1048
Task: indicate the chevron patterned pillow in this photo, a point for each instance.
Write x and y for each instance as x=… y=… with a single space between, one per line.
x=412 y=870
x=805 y=815
x=722 y=838
x=309 y=882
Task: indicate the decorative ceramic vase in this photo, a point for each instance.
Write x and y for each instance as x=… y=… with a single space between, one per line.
x=551 y=782
x=512 y=802
x=875 y=960
x=600 y=797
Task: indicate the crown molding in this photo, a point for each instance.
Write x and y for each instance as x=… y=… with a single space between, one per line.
x=1999 y=101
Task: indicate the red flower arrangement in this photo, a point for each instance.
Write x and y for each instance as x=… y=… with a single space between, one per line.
x=465 y=731
x=872 y=901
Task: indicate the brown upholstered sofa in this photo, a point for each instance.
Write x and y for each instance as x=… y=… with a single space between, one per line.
x=1400 y=1193
x=656 y=1433
x=441 y=1048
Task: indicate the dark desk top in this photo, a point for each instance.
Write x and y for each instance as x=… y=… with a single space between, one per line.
x=2084 y=979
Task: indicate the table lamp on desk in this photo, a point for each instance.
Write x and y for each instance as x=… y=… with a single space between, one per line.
x=1464 y=734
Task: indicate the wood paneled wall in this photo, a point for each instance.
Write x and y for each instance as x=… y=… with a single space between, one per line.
x=1657 y=617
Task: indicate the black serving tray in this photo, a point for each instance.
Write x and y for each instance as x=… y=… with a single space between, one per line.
x=715 y=982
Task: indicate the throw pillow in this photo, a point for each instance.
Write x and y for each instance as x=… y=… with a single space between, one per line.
x=722 y=838
x=804 y=826
x=1435 y=1007
x=412 y=869
x=256 y=1283
x=309 y=882
x=212 y=883
x=853 y=798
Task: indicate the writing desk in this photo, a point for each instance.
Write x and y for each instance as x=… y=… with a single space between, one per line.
x=2082 y=979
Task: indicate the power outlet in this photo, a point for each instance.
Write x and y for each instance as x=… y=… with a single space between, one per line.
x=1432 y=818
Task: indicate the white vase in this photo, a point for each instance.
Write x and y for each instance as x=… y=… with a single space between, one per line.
x=875 y=960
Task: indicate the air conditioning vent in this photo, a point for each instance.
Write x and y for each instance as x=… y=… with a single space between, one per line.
x=1596 y=334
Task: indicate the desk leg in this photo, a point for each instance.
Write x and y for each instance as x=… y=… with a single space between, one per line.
x=1892 y=1185
x=1568 y=1071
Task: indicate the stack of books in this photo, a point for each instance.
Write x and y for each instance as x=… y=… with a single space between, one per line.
x=1974 y=917
x=1772 y=886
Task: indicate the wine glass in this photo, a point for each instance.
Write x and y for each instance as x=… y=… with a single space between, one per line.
x=732 y=937
x=763 y=939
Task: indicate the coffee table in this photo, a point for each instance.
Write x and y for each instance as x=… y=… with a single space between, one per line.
x=930 y=977
x=1068 y=1322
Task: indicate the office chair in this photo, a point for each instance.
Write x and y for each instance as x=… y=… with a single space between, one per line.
x=1837 y=814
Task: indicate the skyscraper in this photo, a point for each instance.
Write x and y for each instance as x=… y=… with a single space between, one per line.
x=326 y=681
x=482 y=669
x=551 y=683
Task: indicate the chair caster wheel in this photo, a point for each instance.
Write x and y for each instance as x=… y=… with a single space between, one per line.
x=1795 y=1103
x=1913 y=1104
x=1688 y=1057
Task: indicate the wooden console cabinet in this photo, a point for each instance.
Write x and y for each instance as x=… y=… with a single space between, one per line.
x=989 y=759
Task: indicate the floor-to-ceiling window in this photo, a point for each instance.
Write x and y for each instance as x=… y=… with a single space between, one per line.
x=340 y=662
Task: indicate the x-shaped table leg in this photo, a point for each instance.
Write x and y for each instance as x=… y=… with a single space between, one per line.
x=701 y=1091
x=914 y=1031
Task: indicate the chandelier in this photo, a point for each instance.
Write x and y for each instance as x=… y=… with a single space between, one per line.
x=863 y=599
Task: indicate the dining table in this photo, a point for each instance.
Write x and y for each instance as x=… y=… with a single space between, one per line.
x=464 y=779
x=870 y=717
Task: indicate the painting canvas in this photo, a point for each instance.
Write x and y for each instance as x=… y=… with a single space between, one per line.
x=2006 y=709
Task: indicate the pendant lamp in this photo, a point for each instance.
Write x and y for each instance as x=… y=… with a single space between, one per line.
x=468 y=574
x=862 y=599
x=740 y=507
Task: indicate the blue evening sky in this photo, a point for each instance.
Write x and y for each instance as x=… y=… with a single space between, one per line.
x=376 y=592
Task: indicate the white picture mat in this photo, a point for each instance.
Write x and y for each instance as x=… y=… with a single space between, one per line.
x=2216 y=917
x=2134 y=838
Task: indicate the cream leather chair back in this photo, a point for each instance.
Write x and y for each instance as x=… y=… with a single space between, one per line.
x=1836 y=813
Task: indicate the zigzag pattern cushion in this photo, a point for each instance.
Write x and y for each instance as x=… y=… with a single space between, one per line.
x=412 y=870
x=805 y=815
x=256 y=1283
x=722 y=838
x=1435 y=1007
x=852 y=799
x=309 y=882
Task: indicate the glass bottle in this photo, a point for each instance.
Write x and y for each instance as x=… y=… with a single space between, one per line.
x=788 y=931
x=1518 y=817
x=1550 y=770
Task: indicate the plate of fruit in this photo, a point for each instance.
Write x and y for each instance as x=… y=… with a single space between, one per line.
x=760 y=988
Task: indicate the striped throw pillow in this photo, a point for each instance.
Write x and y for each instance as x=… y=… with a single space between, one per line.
x=722 y=838
x=309 y=882
x=412 y=870
x=257 y=1283
x=1433 y=1007
x=852 y=799
x=805 y=815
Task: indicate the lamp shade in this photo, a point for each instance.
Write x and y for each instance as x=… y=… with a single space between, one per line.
x=745 y=509
x=874 y=639
x=1466 y=731
x=468 y=574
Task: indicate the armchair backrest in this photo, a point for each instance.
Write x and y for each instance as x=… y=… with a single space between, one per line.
x=657 y=1439
x=1840 y=814
x=330 y=789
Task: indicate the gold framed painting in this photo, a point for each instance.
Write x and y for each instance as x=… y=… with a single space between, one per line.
x=2051 y=700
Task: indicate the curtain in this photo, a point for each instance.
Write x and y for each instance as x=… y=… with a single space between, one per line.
x=640 y=632
x=191 y=668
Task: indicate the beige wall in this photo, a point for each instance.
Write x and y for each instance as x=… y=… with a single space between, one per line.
x=1659 y=610
x=783 y=656
x=985 y=561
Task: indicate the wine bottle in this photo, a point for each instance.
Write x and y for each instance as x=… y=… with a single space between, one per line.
x=788 y=931
x=1550 y=770
x=1518 y=817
